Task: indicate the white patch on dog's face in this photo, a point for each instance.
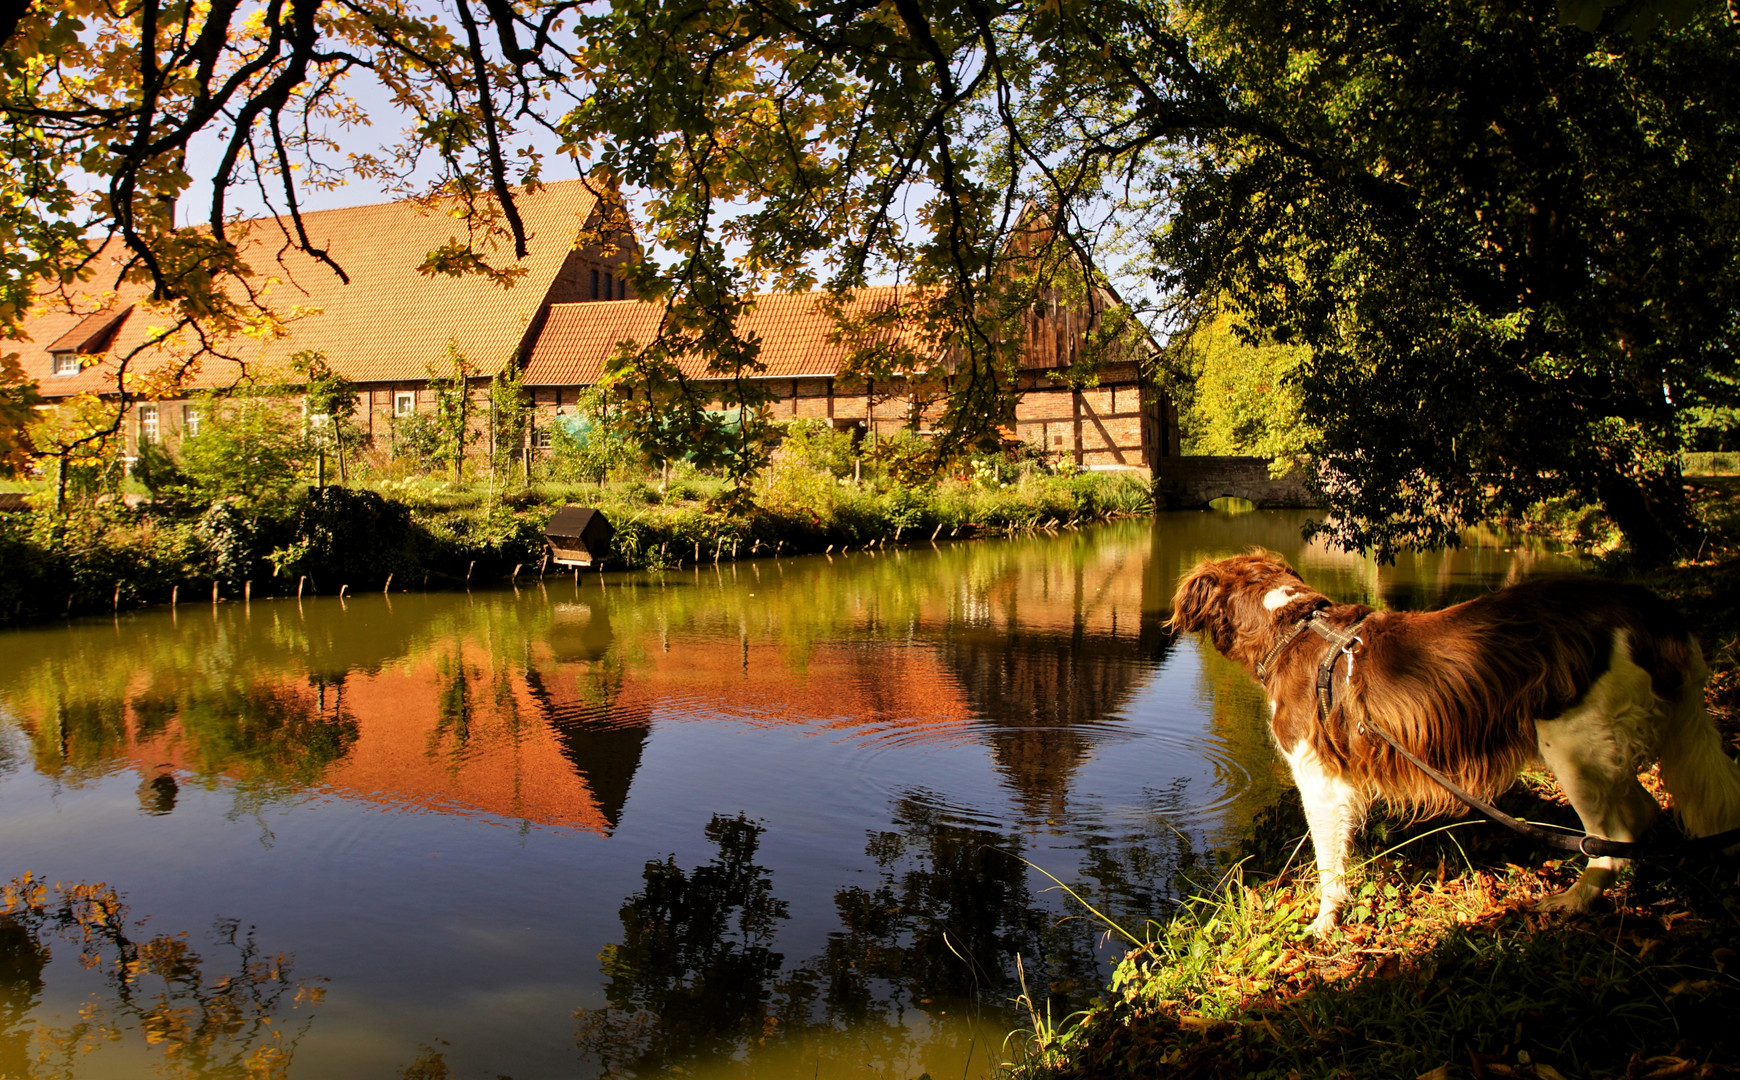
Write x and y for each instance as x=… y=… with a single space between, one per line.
x=1279 y=598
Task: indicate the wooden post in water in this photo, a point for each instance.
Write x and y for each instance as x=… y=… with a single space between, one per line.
x=117 y=597
x=174 y=595
x=214 y=593
x=341 y=590
x=468 y=571
x=388 y=586
x=301 y=581
x=248 y=591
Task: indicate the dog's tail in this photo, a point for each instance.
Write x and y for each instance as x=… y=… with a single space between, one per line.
x=1695 y=766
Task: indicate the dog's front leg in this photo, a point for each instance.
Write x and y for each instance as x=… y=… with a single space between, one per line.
x=1334 y=809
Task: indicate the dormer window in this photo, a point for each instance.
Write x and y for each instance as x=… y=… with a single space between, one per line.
x=91 y=337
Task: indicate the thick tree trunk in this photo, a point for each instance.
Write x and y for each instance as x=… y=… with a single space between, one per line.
x=1651 y=512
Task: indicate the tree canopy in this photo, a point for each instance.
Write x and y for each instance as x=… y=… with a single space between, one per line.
x=1510 y=245
x=1504 y=234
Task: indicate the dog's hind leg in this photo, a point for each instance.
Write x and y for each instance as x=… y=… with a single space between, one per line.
x=1334 y=809
x=1594 y=750
x=1695 y=766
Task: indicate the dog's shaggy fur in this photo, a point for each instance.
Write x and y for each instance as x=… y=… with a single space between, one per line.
x=1594 y=677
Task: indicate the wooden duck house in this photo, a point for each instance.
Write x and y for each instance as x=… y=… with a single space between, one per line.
x=578 y=536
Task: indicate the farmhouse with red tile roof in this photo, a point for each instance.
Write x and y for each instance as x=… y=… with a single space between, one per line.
x=567 y=311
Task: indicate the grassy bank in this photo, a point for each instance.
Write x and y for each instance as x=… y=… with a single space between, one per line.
x=106 y=555
x=1443 y=970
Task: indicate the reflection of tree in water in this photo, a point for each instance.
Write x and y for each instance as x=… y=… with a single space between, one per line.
x=952 y=906
x=695 y=979
x=22 y=958
x=467 y=697
x=264 y=736
x=690 y=978
x=200 y=1017
x=267 y=733
x=452 y=707
x=1045 y=694
x=79 y=738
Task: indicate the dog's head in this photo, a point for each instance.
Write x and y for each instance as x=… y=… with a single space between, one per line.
x=1235 y=597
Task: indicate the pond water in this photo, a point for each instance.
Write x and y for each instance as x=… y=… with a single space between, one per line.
x=775 y=818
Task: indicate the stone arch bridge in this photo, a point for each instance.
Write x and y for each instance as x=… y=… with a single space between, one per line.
x=1189 y=483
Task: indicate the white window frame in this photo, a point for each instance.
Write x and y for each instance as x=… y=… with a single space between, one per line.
x=149 y=428
x=64 y=364
x=404 y=402
x=190 y=420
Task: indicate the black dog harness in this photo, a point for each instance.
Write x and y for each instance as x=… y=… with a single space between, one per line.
x=1342 y=641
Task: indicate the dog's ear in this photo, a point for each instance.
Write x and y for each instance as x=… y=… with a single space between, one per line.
x=1194 y=603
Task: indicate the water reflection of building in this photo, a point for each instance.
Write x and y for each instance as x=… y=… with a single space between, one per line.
x=1042 y=694
x=539 y=709
x=598 y=735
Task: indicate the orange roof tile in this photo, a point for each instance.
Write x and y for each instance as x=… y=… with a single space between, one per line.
x=388 y=324
x=797 y=334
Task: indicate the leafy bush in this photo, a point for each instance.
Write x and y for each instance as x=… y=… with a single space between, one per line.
x=417 y=438
x=230 y=537
x=157 y=471
x=252 y=447
x=791 y=483
x=906 y=458
x=354 y=536
x=818 y=445
x=583 y=450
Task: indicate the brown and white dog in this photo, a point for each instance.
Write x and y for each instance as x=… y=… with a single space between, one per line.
x=1596 y=678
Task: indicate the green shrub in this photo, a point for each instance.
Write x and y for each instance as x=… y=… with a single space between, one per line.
x=157 y=471
x=416 y=438
x=252 y=447
x=818 y=445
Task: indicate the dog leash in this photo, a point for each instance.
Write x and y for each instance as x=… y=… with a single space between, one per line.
x=1342 y=642
x=1592 y=846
